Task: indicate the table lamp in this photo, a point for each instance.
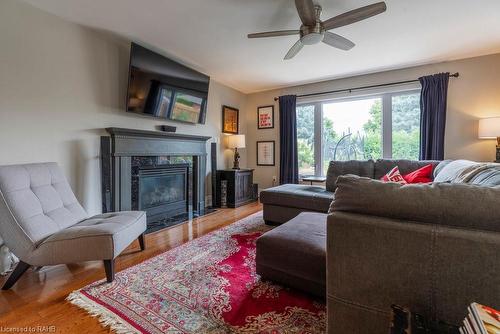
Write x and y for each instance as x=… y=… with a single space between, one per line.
x=489 y=128
x=236 y=142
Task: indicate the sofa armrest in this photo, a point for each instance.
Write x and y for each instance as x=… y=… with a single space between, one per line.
x=436 y=270
x=457 y=205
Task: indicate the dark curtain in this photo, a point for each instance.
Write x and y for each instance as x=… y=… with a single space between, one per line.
x=433 y=115
x=289 y=161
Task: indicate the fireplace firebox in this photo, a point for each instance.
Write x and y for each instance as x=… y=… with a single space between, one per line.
x=163 y=191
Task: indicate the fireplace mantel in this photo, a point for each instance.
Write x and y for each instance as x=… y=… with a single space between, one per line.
x=131 y=142
x=154 y=134
x=118 y=149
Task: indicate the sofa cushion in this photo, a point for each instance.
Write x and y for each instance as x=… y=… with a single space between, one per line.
x=458 y=205
x=356 y=167
x=294 y=253
x=394 y=176
x=298 y=196
x=421 y=175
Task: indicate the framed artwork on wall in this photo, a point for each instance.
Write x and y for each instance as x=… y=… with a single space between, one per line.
x=265 y=153
x=265 y=117
x=230 y=122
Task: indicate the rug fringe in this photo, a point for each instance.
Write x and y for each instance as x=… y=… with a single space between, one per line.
x=105 y=317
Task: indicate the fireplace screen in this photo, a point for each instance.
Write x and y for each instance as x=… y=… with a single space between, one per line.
x=163 y=191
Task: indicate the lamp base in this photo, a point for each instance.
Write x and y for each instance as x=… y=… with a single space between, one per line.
x=236 y=163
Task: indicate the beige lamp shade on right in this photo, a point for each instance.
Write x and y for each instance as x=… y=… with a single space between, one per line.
x=489 y=128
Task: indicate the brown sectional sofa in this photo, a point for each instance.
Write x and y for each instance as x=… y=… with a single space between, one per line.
x=432 y=247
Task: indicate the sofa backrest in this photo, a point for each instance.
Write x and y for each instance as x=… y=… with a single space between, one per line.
x=370 y=168
x=36 y=201
x=365 y=168
x=457 y=205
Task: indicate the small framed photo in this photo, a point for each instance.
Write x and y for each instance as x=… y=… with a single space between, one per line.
x=265 y=153
x=230 y=118
x=265 y=117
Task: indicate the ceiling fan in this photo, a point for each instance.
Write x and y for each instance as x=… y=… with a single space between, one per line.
x=313 y=30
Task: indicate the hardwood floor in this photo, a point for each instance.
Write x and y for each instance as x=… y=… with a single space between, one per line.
x=38 y=298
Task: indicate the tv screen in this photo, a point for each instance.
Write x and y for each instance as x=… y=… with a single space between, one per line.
x=161 y=87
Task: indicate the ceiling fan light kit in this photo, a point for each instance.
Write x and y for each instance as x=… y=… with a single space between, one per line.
x=314 y=31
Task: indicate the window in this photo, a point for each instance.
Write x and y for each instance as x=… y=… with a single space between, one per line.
x=374 y=127
x=352 y=130
x=305 y=139
x=405 y=126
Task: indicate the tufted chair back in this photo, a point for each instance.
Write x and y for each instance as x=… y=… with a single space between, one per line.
x=36 y=201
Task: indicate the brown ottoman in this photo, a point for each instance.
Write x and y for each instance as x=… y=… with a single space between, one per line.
x=294 y=254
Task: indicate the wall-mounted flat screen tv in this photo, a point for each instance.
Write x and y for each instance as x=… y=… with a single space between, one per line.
x=163 y=88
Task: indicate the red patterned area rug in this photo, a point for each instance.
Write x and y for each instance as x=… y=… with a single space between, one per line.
x=208 y=285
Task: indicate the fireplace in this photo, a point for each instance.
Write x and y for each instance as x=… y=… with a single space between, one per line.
x=157 y=172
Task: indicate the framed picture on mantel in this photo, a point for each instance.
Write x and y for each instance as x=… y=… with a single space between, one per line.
x=265 y=117
x=265 y=153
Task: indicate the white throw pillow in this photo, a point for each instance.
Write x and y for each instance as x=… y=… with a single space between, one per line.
x=453 y=169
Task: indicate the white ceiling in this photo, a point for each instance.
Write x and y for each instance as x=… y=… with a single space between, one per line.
x=210 y=35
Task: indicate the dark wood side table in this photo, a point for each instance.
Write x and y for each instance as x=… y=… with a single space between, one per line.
x=239 y=189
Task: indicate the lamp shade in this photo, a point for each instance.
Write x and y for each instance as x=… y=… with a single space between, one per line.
x=236 y=141
x=489 y=128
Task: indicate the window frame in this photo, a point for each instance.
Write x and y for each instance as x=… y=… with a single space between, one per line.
x=386 y=99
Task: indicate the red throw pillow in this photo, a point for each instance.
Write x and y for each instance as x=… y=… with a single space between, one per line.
x=421 y=175
x=394 y=176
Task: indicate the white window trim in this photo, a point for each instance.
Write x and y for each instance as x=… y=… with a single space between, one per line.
x=386 y=120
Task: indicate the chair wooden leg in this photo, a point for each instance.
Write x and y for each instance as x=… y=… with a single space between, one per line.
x=15 y=275
x=109 y=267
x=142 y=242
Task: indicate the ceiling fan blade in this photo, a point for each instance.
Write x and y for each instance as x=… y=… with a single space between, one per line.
x=306 y=11
x=337 y=41
x=274 y=33
x=355 y=15
x=294 y=50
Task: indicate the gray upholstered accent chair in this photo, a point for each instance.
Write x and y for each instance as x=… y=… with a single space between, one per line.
x=43 y=224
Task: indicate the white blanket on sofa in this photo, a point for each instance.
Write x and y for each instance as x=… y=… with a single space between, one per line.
x=466 y=171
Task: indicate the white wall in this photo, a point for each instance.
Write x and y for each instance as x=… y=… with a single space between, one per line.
x=476 y=94
x=61 y=84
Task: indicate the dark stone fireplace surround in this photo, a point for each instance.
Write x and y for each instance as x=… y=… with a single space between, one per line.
x=128 y=155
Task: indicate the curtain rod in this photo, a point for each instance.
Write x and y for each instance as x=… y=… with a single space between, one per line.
x=454 y=75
